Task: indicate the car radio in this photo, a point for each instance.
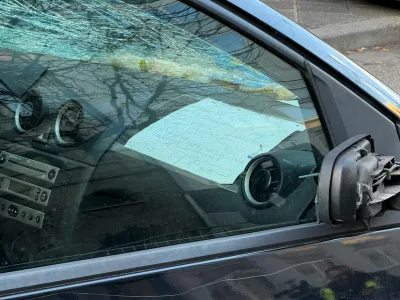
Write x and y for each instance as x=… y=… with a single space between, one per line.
x=28 y=167
x=24 y=190
x=23 y=201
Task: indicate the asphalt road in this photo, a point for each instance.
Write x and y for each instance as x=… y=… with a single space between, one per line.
x=382 y=62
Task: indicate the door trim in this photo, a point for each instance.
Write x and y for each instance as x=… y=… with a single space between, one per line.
x=58 y=277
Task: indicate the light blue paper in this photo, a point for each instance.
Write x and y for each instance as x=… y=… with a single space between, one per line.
x=212 y=139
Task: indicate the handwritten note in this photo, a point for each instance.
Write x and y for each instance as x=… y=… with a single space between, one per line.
x=212 y=139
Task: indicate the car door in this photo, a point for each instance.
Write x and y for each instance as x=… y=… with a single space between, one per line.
x=163 y=149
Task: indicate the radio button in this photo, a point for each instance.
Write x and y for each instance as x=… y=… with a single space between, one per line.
x=13 y=210
x=51 y=174
x=43 y=196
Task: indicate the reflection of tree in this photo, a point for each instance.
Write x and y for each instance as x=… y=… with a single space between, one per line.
x=172 y=40
x=92 y=50
x=346 y=283
x=133 y=65
x=123 y=61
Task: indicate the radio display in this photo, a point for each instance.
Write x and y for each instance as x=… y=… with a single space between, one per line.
x=19 y=188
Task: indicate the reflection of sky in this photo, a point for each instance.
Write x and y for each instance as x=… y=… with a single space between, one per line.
x=230 y=42
x=176 y=13
x=294 y=113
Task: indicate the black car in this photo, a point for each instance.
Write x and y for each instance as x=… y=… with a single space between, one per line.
x=196 y=149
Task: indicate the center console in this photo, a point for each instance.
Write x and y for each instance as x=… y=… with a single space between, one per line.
x=26 y=189
x=40 y=193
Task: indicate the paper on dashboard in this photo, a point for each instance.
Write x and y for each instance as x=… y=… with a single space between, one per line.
x=212 y=139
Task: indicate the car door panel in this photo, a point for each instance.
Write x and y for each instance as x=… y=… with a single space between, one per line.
x=350 y=267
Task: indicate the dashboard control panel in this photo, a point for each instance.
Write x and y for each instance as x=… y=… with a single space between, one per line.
x=28 y=167
x=21 y=213
x=24 y=190
x=30 y=190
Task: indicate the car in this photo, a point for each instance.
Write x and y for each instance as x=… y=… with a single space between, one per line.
x=194 y=149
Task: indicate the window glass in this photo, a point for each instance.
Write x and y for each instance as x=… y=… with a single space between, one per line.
x=128 y=125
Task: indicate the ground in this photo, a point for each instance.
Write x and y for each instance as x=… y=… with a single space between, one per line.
x=313 y=14
x=382 y=61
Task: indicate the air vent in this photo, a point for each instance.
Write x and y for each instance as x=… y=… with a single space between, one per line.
x=30 y=112
x=262 y=181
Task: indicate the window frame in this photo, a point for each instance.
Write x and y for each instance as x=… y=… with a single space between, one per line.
x=58 y=277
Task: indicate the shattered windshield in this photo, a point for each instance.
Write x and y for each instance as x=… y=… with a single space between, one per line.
x=117 y=33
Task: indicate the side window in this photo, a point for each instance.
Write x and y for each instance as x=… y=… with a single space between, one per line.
x=139 y=124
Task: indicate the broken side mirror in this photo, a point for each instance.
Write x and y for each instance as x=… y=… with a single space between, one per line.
x=354 y=182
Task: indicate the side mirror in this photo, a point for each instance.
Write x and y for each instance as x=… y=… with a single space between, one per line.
x=354 y=181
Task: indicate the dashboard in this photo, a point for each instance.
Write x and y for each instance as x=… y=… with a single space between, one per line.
x=52 y=117
x=56 y=126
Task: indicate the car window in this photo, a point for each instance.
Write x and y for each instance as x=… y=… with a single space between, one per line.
x=129 y=125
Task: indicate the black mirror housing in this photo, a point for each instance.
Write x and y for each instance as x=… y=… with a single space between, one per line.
x=338 y=188
x=354 y=182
